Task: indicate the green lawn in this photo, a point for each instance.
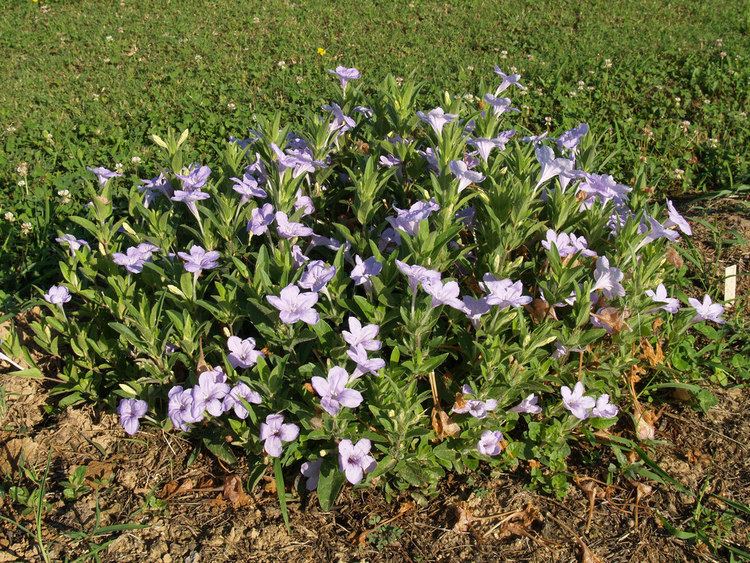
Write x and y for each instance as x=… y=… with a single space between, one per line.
x=85 y=82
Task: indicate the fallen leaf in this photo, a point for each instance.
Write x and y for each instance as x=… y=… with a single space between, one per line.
x=539 y=310
x=234 y=492
x=442 y=424
x=463 y=518
x=654 y=356
x=613 y=317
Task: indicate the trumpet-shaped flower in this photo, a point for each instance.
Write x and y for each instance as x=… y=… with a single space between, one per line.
x=334 y=393
x=475 y=407
x=707 y=310
x=603 y=408
x=499 y=105
x=237 y=394
x=437 y=118
x=443 y=293
x=74 y=244
x=529 y=405
x=345 y=74
x=242 y=353
x=551 y=166
x=305 y=203
x=365 y=270
x=208 y=395
x=57 y=295
x=180 y=408
x=408 y=220
x=571 y=138
x=669 y=304
x=199 y=259
x=576 y=401
x=103 y=175
x=475 y=308
x=153 y=187
x=465 y=176
x=355 y=459
x=316 y=276
x=260 y=219
x=490 y=443
x=295 y=306
x=274 y=433
x=362 y=336
x=365 y=365
x=189 y=198
x=608 y=279
x=504 y=293
x=677 y=220
x=311 y=471
x=417 y=274
x=194 y=178
x=290 y=229
x=247 y=187
x=131 y=411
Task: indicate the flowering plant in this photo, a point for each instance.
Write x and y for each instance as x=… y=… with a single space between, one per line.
x=391 y=293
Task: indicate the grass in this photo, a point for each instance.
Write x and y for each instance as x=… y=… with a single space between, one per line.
x=86 y=83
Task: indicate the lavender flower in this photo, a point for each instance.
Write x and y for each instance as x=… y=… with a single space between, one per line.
x=389 y=161
x=475 y=308
x=345 y=74
x=300 y=161
x=443 y=293
x=153 y=187
x=355 y=459
x=189 y=198
x=658 y=231
x=295 y=306
x=242 y=352
x=603 y=408
x=365 y=365
x=238 y=393
x=417 y=274
x=707 y=310
x=551 y=166
x=465 y=176
x=273 y=433
x=341 y=123
x=670 y=304
x=247 y=187
x=499 y=105
x=208 y=394
x=508 y=80
x=484 y=146
x=602 y=188
x=305 y=203
x=103 y=175
x=576 y=402
x=365 y=270
x=131 y=411
x=571 y=138
x=298 y=257
x=333 y=391
x=529 y=405
x=134 y=257
x=408 y=220
x=677 y=220
x=329 y=243
x=504 y=293
x=431 y=156
x=362 y=336
x=74 y=244
x=316 y=276
x=489 y=443
x=311 y=471
x=437 y=118
x=367 y=112
x=290 y=229
x=199 y=259
x=194 y=178
x=567 y=244
x=180 y=409
x=608 y=279
x=475 y=407
x=57 y=295
x=260 y=219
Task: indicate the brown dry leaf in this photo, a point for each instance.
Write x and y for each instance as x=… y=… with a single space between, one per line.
x=176 y=488
x=654 y=356
x=464 y=518
x=270 y=486
x=201 y=366
x=539 y=310
x=442 y=424
x=613 y=317
x=99 y=472
x=674 y=258
x=588 y=556
x=234 y=492
x=644 y=428
x=363 y=147
x=520 y=522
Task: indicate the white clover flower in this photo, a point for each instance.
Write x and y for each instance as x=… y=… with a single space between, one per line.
x=21 y=183
x=23 y=168
x=607 y=63
x=136 y=160
x=9 y=217
x=26 y=228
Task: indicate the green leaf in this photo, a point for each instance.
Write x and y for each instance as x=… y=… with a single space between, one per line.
x=329 y=486
x=281 y=491
x=220 y=450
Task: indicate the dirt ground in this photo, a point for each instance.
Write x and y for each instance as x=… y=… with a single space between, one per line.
x=195 y=509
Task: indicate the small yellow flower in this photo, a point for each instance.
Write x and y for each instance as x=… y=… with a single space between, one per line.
x=321 y=51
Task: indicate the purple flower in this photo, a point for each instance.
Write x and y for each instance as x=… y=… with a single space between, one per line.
x=199 y=259
x=103 y=175
x=298 y=258
x=677 y=220
x=443 y=293
x=551 y=166
x=316 y=276
x=658 y=231
x=389 y=161
x=576 y=402
x=333 y=391
x=417 y=274
x=508 y=80
x=238 y=393
x=194 y=178
x=502 y=138
x=341 y=123
x=362 y=336
x=608 y=279
x=467 y=216
x=152 y=187
x=74 y=244
x=475 y=308
x=208 y=394
x=134 y=257
x=475 y=407
x=355 y=459
x=571 y=138
x=431 y=156
x=437 y=118
x=290 y=229
x=504 y=293
x=305 y=203
x=484 y=146
x=602 y=188
x=329 y=243
x=365 y=365
x=180 y=409
x=707 y=310
x=260 y=219
x=131 y=411
x=295 y=306
x=242 y=352
x=300 y=161
x=499 y=105
x=273 y=433
x=670 y=304
x=604 y=409
x=311 y=471
x=408 y=220
x=364 y=270
x=345 y=74
x=57 y=295
x=189 y=198
x=489 y=443
x=247 y=187
x=465 y=176
x=529 y=405
x=388 y=237
x=567 y=244
x=367 y=112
